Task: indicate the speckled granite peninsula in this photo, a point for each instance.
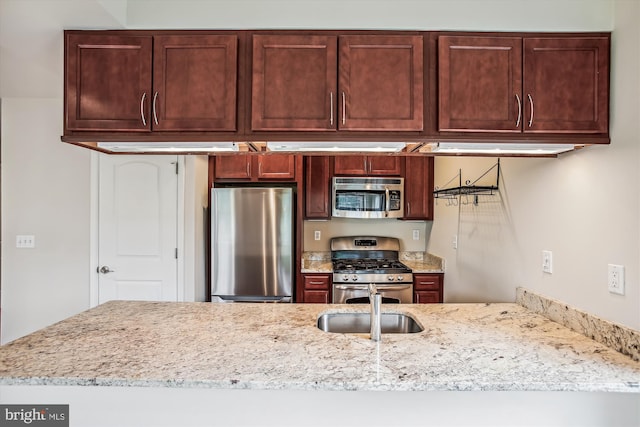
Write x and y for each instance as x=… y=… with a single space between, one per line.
x=480 y=347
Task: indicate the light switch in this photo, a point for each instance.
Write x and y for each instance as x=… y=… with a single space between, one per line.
x=547 y=262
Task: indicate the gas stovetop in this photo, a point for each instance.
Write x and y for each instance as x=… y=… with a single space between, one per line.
x=368 y=259
x=369 y=266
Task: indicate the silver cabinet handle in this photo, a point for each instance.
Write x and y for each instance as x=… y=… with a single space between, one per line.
x=331 y=108
x=408 y=208
x=531 y=104
x=155 y=116
x=105 y=269
x=519 y=111
x=144 y=122
x=344 y=108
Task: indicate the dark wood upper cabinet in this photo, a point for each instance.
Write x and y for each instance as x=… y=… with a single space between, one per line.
x=248 y=167
x=418 y=188
x=523 y=84
x=335 y=85
x=368 y=165
x=566 y=85
x=195 y=80
x=108 y=82
x=293 y=82
x=306 y=83
x=276 y=166
x=237 y=166
x=317 y=187
x=480 y=84
x=381 y=83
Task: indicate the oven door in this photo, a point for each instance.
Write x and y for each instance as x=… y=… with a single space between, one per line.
x=351 y=293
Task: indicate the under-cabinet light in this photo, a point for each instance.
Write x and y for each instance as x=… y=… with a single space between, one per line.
x=354 y=147
x=499 y=148
x=167 y=147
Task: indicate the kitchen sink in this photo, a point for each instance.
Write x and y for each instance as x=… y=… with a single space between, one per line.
x=359 y=323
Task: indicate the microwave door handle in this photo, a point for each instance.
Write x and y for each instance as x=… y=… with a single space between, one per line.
x=388 y=202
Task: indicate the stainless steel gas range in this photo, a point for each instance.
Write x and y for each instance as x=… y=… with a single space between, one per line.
x=361 y=260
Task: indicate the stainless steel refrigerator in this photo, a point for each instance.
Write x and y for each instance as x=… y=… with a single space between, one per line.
x=252 y=244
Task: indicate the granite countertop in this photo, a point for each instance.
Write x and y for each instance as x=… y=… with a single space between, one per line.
x=277 y=346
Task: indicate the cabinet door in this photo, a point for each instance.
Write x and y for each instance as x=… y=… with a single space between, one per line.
x=317 y=288
x=426 y=297
x=566 y=84
x=316 y=297
x=237 y=166
x=480 y=84
x=108 y=82
x=317 y=187
x=418 y=188
x=428 y=288
x=381 y=83
x=384 y=165
x=368 y=165
x=294 y=82
x=276 y=166
x=195 y=82
x=350 y=165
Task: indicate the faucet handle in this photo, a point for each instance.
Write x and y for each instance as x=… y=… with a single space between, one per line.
x=373 y=289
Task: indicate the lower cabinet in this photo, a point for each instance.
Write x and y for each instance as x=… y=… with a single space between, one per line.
x=316 y=288
x=428 y=288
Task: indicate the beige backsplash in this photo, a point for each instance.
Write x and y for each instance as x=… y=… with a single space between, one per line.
x=338 y=227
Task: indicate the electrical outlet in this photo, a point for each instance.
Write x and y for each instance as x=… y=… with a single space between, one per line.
x=316 y=235
x=25 y=241
x=416 y=234
x=615 y=279
x=547 y=262
x=454 y=241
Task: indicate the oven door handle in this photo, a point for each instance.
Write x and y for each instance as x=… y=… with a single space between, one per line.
x=379 y=287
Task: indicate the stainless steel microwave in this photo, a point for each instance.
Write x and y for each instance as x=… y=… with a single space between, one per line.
x=368 y=197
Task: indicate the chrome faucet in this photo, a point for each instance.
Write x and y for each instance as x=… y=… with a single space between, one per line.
x=376 y=317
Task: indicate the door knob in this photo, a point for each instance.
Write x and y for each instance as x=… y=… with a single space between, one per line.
x=105 y=269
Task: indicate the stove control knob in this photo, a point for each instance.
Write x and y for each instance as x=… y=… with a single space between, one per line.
x=345 y=277
x=400 y=278
x=390 y=278
x=354 y=277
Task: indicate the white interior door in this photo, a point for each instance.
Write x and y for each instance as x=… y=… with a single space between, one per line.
x=137 y=232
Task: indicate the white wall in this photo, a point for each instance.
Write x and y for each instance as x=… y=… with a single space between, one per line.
x=31 y=84
x=45 y=193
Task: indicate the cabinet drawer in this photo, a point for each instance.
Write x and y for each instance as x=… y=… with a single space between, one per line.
x=317 y=282
x=426 y=282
